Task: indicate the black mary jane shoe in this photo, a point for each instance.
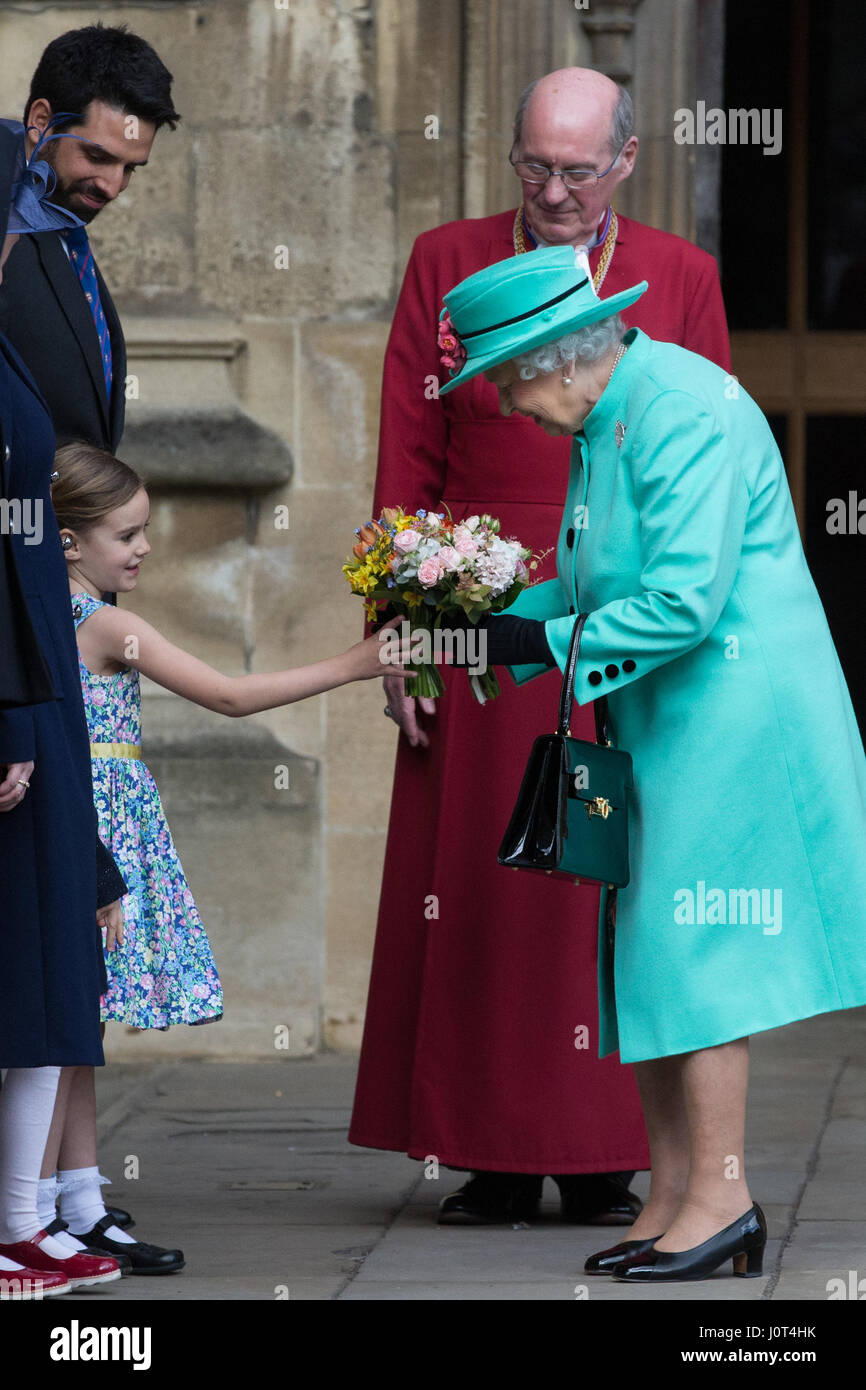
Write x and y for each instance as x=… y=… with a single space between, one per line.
x=491 y=1199
x=144 y=1258
x=598 y=1199
x=119 y=1217
x=605 y=1261
x=743 y=1242
x=124 y=1263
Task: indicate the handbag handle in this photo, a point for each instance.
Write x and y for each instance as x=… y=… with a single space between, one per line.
x=566 y=694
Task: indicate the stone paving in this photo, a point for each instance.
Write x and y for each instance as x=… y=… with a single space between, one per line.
x=247 y=1168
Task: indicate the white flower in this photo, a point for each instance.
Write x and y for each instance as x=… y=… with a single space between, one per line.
x=496 y=565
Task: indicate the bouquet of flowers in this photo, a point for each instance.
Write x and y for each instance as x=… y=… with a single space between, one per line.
x=425 y=565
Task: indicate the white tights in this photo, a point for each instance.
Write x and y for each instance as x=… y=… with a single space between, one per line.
x=26 y=1107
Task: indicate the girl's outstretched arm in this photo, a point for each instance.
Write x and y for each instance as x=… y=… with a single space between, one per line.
x=116 y=635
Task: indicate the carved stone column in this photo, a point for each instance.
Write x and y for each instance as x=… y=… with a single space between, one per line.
x=610 y=27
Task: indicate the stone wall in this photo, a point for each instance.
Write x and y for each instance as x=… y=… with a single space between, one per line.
x=256 y=262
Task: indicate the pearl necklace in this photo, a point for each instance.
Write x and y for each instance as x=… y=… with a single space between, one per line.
x=623 y=348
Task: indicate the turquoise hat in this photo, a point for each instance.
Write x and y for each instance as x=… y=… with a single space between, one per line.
x=516 y=305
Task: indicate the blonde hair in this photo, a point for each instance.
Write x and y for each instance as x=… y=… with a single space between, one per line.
x=91 y=483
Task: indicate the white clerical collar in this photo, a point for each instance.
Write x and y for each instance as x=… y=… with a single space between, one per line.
x=581 y=246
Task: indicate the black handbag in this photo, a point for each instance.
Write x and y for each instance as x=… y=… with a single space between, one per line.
x=571 y=815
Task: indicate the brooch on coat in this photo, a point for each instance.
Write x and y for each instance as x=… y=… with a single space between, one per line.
x=619 y=433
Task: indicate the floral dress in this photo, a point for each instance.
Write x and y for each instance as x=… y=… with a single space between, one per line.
x=164 y=973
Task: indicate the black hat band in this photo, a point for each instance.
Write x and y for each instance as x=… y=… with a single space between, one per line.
x=530 y=313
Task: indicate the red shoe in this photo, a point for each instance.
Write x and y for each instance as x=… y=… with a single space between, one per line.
x=21 y=1284
x=78 y=1269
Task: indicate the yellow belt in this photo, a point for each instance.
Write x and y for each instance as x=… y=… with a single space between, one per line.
x=115 y=750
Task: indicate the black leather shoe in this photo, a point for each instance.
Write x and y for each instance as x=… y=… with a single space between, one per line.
x=743 y=1242
x=124 y=1263
x=144 y=1258
x=598 y=1199
x=119 y=1217
x=604 y=1261
x=490 y=1199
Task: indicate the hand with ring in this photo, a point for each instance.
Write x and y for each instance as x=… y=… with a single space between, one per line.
x=14 y=784
x=404 y=710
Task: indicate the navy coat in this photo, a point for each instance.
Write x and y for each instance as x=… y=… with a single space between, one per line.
x=51 y=964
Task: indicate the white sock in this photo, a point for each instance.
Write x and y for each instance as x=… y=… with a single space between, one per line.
x=81 y=1204
x=26 y=1107
x=115 y=1233
x=53 y=1246
x=8 y=1265
x=46 y=1201
x=46 y=1205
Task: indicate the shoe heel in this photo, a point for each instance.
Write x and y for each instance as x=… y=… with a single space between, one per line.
x=749 y=1264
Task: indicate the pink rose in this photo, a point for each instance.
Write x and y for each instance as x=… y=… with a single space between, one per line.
x=464 y=542
x=449 y=558
x=404 y=541
x=429 y=572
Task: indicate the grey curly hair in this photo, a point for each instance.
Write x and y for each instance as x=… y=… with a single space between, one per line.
x=585 y=346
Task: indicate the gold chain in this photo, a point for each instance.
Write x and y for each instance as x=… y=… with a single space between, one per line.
x=604 y=259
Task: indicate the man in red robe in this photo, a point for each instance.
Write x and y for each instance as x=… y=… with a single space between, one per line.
x=480 y=1046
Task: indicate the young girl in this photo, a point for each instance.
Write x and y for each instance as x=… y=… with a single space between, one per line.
x=159 y=962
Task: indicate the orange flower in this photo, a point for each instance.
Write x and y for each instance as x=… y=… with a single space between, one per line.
x=368 y=535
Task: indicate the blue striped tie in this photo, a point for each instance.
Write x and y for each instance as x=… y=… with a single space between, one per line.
x=82 y=258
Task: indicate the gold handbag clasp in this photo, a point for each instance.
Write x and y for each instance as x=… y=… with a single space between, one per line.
x=599 y=806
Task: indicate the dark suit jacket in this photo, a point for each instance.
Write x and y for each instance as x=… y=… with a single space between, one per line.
x=45 y=316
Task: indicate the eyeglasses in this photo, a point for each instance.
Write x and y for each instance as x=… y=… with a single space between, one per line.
x=530 y=172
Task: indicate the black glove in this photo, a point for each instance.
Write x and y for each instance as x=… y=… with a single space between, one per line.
x=510 y=641
x=110 y=883
x=513 y=641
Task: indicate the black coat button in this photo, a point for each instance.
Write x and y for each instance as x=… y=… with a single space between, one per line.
x=628 y=664
x=569 y=537
x=611 y=671
x=571 y=608
x=594 y=678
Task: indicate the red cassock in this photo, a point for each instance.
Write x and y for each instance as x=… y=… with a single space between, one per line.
x=481 y=1036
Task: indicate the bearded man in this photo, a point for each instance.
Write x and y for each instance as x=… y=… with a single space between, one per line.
x=109 y=88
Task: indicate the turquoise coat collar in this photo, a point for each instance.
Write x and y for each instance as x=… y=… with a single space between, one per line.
x=611 y=405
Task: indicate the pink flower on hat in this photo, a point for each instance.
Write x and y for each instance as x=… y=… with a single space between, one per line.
x=453 y=351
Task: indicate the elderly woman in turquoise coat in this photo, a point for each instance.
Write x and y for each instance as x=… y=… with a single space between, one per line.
x=744 y=909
